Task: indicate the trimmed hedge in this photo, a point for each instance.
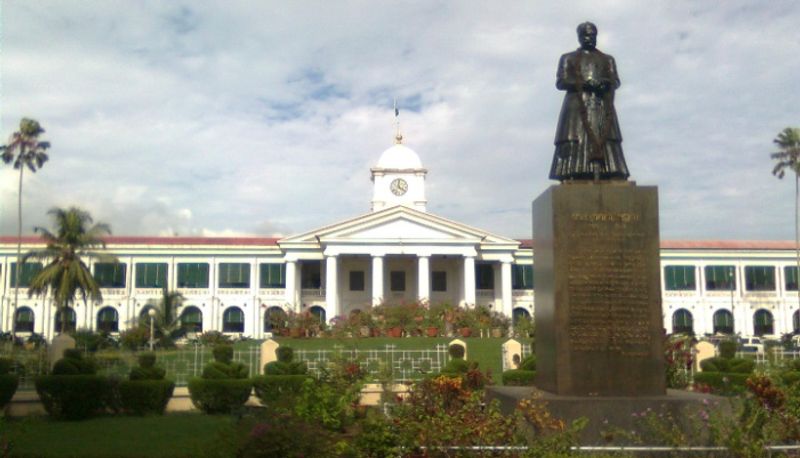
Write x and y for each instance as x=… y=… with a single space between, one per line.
x=790 y=377
x=74 y=397
x=736 y=365
x=219 y=395
x=143 y=397
x=278 y=390
x=528 y=364
x=456 y=367
x=8 y=386
x=518 y=377
x=725 y=383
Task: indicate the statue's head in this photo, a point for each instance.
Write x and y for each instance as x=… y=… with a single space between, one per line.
x=587 y=35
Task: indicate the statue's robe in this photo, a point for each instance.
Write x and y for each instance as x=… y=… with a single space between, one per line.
x=577 y=152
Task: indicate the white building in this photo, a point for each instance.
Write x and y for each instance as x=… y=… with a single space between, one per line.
x=397 y=252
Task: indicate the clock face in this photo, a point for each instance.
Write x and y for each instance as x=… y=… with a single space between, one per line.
x=398 y=186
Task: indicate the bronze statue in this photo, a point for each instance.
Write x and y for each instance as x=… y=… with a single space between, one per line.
x=588 y=140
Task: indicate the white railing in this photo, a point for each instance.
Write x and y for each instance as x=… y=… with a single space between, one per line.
x=405 y=365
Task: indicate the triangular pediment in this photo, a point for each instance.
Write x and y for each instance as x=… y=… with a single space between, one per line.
x=397 y=224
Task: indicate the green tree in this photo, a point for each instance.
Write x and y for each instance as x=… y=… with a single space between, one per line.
x=73 y=240
x=788 y=157
x=167 y=320
x=24 y=150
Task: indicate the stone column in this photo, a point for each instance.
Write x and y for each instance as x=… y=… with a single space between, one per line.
x=377 y=280
x=290 y=290
x=505 y=288
x=331 y=290
x=469 y=280
x=423 y=278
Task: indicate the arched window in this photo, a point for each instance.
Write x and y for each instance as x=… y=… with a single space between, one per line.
x=763 y=323
x=796 y=321
x=723 y=322
x=318 y=313
x=233 y=320
x=520 y=313
x=108 y=320
x=682 y=322
x=274 y=319
x=23 y=320
x=192 y=319
x=69 y=323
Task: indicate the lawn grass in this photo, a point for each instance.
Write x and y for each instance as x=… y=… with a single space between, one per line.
x=178 y=435
x=486 y=351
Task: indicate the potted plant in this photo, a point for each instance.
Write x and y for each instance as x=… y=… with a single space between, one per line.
x=464 y=322
x=431 y=325
x=500 y=324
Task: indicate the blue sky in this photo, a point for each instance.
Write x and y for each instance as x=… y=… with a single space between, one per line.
x=225 y=118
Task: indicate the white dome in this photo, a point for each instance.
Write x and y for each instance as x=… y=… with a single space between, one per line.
x=399 y=157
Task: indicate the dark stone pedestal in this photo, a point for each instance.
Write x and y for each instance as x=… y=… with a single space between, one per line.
x=599 y=328
x=614 y=412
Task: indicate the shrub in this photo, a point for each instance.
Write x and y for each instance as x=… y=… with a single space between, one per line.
x=8 y=381
x=528 y=363
x=224 y=385
x=214 y=338
x=73 y=363
x=456 y=351
x=142 y=397
x=279 y=391
x=735 y=365
x=92 y=341
x=219 y=395
x=724 y=383
x=147 y=369
x=284 y=435
x=134 y=338
x=456 y=367
x=73 y=397
x=727 y=349
x=285 y=365
x=518 y=377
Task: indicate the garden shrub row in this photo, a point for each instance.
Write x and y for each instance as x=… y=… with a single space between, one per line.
x=8 y=381
x=724 y=383
x=518 y=377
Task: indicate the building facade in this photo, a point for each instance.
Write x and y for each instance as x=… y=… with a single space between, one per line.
x=398 y=252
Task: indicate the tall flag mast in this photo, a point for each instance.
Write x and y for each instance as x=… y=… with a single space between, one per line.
x=398 y=138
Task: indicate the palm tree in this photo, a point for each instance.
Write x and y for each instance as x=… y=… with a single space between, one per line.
x=25 y=150
x=74 y=239
x=788 y=157
x=167 y=319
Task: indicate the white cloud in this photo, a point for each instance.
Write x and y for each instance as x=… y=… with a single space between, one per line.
x=236 y=118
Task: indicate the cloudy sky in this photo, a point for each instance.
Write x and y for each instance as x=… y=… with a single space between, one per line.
x=225 y=118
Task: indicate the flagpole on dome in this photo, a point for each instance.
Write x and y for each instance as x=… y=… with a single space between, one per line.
x=398 y=137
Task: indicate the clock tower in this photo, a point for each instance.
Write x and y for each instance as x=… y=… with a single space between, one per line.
x=398 y=178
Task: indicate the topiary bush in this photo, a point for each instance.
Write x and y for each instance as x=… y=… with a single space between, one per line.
x=285 y=365
x=725 y=374
x=73 y=391
x=518 y=377
x=791 y=373
x=279 y=391
x=8 y=381
x=219 y=395
x=456 y=351
x=146 y=392
x=73 y=397
x=224 y=385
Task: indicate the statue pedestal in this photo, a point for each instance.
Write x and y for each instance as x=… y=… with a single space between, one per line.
x=598 y=315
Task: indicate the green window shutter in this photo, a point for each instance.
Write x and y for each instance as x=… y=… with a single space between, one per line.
x=29 y=270
x=110 y=274
x=759 y=278
x=679 y=278
x=720 y=278
x=790 y=278
x=272 y=275
x=193 y=275
x=484 y=276
x=234 y=275
x=151 y=274
x=438 y=280
x=521 y=276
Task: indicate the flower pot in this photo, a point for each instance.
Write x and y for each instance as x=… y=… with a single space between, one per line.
x=497 y=332
x=465 y=332
x=396 y=331
x=432 y=331
x=295 y=332
x=365 y=331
